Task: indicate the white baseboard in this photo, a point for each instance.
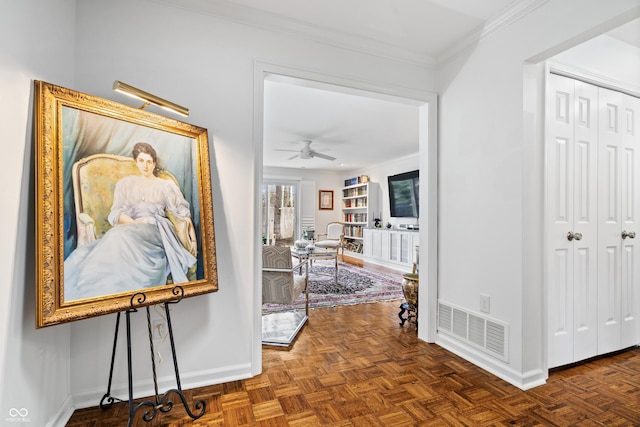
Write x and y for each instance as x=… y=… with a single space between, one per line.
x=353 y=254
x=63 y=415
x=522 y=380
x=91 y=397
x=391 y=265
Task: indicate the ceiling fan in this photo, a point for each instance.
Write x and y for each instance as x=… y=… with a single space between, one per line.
x=307 y=153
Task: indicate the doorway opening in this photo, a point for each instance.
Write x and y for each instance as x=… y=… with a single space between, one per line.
x=427 y=140
x=584 y=58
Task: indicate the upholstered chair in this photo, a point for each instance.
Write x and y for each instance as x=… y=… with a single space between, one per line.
x=94 y=180
x=333 y=238
x=282 y=284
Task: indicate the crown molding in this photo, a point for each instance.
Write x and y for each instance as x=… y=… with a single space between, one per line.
x=278 y=24
x=256 y=18
x=595 y=79
x=509 y=15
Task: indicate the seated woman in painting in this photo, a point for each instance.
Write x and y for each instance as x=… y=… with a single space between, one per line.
x=142 y=249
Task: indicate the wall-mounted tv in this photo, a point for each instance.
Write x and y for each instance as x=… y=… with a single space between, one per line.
x=404 y=190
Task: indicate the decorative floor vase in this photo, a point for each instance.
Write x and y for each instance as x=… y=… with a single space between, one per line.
x=410 y=290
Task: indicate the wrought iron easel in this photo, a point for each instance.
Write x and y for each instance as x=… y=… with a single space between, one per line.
x=162 y=403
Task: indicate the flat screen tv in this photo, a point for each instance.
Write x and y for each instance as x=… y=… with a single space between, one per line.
x=404 y=190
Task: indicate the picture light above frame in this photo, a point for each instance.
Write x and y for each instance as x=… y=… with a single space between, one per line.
x=149 y=98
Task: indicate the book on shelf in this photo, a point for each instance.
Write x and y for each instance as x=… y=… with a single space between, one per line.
x=362 y=179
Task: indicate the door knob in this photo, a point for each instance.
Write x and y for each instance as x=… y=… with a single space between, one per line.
x=629 y=234
x=571 y=235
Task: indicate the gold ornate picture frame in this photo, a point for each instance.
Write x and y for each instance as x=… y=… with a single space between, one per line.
x=123 y=207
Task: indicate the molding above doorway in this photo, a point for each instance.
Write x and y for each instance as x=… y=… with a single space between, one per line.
x=600 y=80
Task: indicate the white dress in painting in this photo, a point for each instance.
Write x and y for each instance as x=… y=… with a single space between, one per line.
x=137 y=255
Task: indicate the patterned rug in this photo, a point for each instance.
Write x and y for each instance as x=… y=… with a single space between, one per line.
x=355 y=286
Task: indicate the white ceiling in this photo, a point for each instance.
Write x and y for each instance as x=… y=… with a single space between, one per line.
x=415 y=27
x=355 y=128
x=359 y=130
x=628 y=33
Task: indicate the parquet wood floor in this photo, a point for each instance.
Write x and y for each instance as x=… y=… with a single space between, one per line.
x=355 y=366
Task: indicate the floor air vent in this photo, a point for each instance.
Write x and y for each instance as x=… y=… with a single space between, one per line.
x=484 y=333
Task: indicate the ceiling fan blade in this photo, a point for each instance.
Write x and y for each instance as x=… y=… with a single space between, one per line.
x=280 y=149
x=323 y=156
x=293 y=157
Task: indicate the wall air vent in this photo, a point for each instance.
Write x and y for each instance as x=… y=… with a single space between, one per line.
x=482 y=332
x=459 y=323
x=444 y=318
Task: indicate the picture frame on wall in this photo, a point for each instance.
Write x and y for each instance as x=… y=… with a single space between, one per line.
x=326 y=199
x=123 y=207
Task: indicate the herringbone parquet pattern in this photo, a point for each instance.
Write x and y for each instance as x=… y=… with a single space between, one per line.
x=355 y=366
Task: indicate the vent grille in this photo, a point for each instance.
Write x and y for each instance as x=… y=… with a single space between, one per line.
x=495 y=337
x=476 y=330
x=481 y=332
x=460 y=323
x=444 y=318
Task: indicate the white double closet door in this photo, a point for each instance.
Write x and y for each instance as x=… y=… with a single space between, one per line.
x=592 y=220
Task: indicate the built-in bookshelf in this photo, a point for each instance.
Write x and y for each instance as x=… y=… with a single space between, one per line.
x=359 y=202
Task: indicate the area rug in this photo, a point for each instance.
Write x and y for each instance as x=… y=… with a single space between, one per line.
x=355 y=286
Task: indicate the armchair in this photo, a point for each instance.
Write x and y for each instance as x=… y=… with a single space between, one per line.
x=94 y=179
x=333 y=238
x=281 y=285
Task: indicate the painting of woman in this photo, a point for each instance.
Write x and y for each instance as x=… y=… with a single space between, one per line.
x=142 y=249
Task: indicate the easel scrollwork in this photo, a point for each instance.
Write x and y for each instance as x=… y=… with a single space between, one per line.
x=162 y=403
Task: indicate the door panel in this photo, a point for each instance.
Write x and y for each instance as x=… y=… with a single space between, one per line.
x=560 y=195
x=572 y=182
x=585 y=208
x=610 y=225
x=630 y=211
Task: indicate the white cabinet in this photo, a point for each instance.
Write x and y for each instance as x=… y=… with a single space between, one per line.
x=391 y=248
x=359 y=202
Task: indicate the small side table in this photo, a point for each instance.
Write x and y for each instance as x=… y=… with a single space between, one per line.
x=410 y=284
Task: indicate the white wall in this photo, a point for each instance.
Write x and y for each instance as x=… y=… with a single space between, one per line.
x=36 y=42
x=206 y=64
x=491 y=176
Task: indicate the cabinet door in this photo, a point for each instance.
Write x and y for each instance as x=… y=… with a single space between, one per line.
x=376 y=244
x=405 y=248
x=381 y=250
x=394 y=246
x=367 y=242
x=400 y=247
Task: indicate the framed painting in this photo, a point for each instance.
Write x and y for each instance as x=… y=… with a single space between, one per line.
x=123 y=207
x=326 y=199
